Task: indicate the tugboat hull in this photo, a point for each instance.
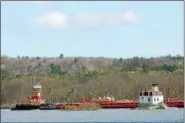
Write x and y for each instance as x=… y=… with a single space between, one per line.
x=25 y=107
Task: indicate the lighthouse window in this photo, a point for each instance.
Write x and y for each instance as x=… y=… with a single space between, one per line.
x=145 y=93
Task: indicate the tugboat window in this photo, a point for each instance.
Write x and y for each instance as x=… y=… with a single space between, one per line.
x=157 y=99
x=148 y=99
x=154 y=99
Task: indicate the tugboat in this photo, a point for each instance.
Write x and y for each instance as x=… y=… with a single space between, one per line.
x=32 y=103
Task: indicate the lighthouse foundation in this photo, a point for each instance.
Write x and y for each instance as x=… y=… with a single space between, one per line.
x=152 y=106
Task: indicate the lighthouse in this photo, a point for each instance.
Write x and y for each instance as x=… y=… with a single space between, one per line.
x=152 y=98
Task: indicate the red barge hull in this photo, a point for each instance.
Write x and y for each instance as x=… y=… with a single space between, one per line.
x=119 y=105
x=179 y=104
x=114 y=104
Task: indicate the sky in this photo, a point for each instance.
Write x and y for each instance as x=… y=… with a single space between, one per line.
x=92 y=28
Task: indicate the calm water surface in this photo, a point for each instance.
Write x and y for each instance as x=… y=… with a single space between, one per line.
x=105 y=115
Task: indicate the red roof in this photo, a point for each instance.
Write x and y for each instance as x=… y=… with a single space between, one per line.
x=156 y=93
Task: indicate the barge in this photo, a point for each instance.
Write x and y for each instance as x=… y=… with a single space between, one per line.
x=106 y=102
x=123 y=104
x=175 y=103
x=134 y=104
x=151 y=97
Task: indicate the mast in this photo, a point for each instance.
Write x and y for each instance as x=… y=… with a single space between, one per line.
x=83 y=93
x=33 y=79
x=168 y=92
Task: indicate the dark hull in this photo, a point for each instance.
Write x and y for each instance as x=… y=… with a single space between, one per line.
x=49 y=107
x=25 y=107
x=180 y=106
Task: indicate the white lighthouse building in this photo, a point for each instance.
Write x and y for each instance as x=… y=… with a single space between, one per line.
x=151 y=97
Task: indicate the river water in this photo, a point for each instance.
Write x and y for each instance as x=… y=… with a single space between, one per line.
x=103 y=115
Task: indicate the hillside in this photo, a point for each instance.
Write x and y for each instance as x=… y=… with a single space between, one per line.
x=39 y=65
x=71 y=79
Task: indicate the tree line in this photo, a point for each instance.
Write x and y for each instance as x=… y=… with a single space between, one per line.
x=44 y=67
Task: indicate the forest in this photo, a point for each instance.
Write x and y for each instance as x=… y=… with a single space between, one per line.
x=69 y=79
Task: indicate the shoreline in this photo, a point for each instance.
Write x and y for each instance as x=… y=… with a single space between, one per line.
x=7 y=106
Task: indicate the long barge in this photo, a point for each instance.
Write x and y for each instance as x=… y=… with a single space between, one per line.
x=121 y=104
x=151 y=97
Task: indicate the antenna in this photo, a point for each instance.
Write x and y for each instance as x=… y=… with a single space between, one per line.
x=33 y=79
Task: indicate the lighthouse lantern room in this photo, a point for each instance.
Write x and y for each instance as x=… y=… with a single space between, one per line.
x=153 y=96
